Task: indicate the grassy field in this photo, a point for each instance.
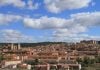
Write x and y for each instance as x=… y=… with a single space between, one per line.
x=92 y=67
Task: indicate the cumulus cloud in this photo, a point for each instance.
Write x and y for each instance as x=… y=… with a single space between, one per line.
x=17 y=3
x=56 y=6
x=14 y=36
x=72 y=37
x=32 y=5
x=86 y=19
x=75 y=22
x=45 y=22
x=7 y=18
x=69 y=32
x=80 y=25
x=20 y=4
x=72 y=28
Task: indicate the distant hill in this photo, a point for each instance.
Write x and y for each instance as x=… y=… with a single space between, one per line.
x=33 y=44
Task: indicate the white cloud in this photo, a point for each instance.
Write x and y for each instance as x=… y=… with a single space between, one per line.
x=7 y=18
x=14 y=36
x=75 y=22
x=45 y=22
x=87 y=19
x=56 y=6
x=80 y=25
x=71 y=28
x=16 y=3
x=32 y=5
x=69 y=32
x=20 y=4
x=74 y=37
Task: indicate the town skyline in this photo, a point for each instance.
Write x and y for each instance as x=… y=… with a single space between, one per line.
x=84 y=55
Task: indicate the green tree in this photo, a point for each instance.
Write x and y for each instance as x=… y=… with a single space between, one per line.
x=97 y=59
x=86 y=61
x=1 y=57
x=79 y=60
x=36 y=61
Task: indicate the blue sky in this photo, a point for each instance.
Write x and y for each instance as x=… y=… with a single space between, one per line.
x=49 y=20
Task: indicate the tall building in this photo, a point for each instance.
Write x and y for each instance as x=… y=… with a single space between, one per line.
x=89 y=42
x=15 y=46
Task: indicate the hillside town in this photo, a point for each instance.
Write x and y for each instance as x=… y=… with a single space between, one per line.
x=50 y=56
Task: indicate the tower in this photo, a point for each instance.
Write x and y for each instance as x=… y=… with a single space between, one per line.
x=18 y=47
x=15 y=46
x=12 y=46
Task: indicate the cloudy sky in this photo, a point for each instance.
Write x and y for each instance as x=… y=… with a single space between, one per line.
x=49 y=20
